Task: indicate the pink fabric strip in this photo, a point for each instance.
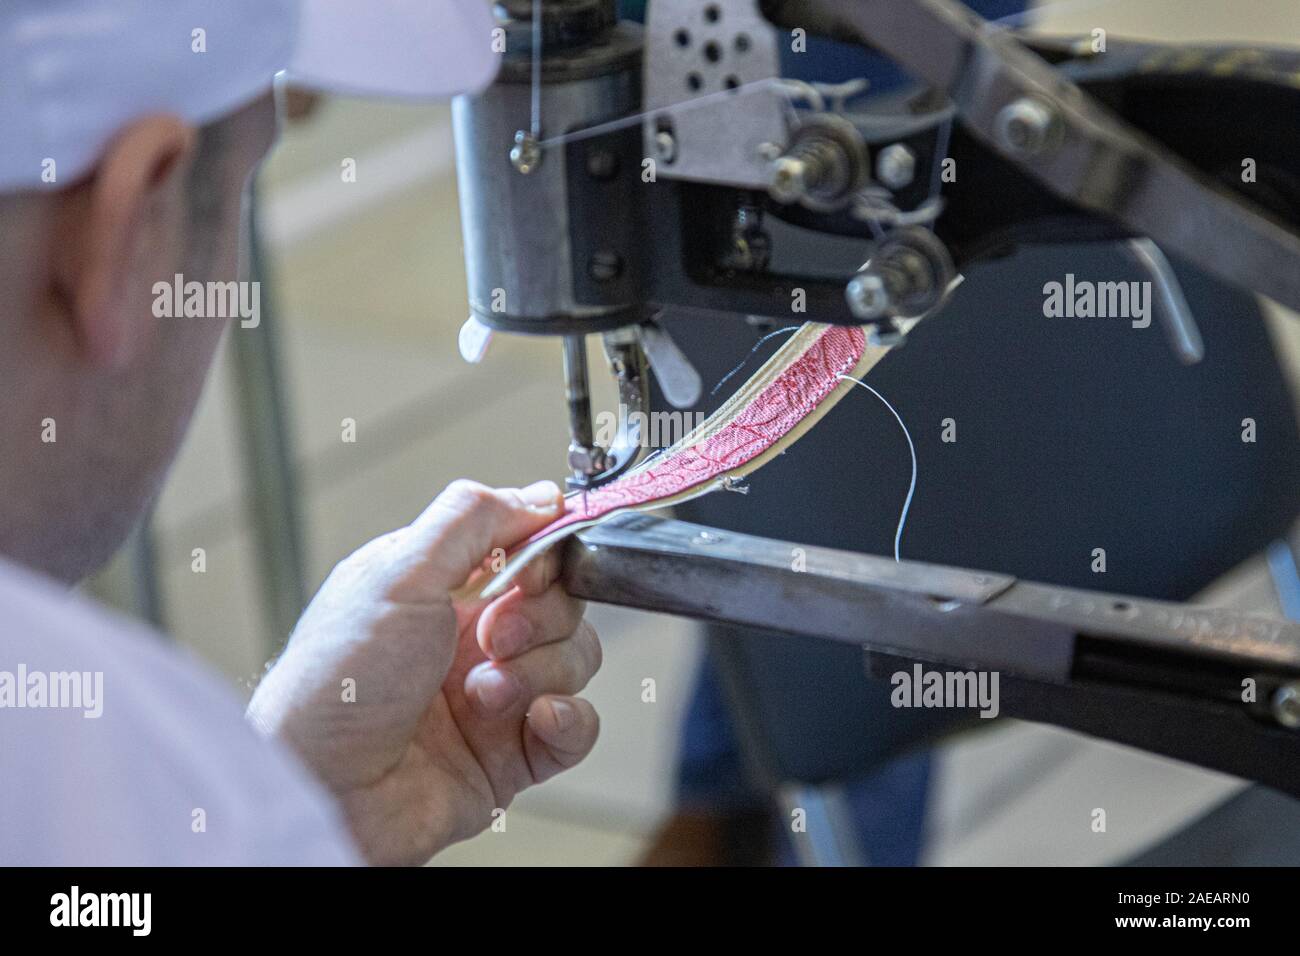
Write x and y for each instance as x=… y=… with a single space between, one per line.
x=764 y=421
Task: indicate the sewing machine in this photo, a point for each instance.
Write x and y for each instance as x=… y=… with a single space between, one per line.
x=612 y=173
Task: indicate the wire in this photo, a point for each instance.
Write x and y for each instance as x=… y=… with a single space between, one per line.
x=535 y=94
x=600 y=129
x=743 y=362
x=911 y=488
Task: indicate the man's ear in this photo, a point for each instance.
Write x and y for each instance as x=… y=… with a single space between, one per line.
x=115 y=221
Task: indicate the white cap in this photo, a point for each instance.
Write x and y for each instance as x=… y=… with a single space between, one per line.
x=74 y=72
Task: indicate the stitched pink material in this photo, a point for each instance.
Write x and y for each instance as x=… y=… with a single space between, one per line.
x=778 y=408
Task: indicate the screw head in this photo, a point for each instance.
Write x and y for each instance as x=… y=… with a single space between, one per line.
x=789 y=179
x=867 y=296
x=605 y=265
x=1028 y=127
x=526 y=153
x=896 y=166
x=1286 y=706
x=665 y=146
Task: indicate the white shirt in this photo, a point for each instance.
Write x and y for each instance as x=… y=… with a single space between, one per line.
x=147 y=761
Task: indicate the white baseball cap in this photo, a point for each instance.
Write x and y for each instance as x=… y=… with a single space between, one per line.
x=74 y=72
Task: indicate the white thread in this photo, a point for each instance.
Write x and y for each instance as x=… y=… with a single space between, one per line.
x=681 y=106
x=911 y=489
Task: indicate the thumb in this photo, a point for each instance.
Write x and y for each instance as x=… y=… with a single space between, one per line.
x=468 y=521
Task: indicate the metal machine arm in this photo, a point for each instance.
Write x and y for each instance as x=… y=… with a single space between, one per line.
x=1165 y=677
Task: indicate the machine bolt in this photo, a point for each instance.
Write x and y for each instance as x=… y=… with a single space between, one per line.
x=825 y=163
x=605 y=265
x=789 y=179
x=666 y=146
x=867 y=296
x=526 y=153
x=1286 y=706
x=1028 y=127
x=896 y=166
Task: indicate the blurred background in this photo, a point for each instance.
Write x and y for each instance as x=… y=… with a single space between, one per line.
x=366 y=281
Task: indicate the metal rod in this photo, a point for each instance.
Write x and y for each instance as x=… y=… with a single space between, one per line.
x=826 y=834
x=585 y=459
x=268 y=459
x=577 y=388
x=535 y=119
x=1175 y=314
x=146 y=588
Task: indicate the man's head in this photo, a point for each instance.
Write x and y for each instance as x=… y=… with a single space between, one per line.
x=98 y=390
x=137 y=127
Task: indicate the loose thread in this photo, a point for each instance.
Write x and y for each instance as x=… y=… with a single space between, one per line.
x=735 y=484
x=743 y=362
x=911 y=489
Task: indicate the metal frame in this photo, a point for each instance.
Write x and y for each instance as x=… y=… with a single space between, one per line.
x=268 y=456
x=1165 y=677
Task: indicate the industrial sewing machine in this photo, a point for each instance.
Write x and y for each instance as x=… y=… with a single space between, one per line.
x=613 y=172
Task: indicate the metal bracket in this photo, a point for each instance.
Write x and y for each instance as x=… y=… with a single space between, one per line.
x=701 y=59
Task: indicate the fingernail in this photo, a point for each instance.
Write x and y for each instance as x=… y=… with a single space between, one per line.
x=510 y=635
x=564 y=713
x=541 y=495
x=495 y=688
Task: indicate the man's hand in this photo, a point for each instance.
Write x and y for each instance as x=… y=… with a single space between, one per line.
x=424 y=713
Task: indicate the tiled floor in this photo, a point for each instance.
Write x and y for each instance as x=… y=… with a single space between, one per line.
x=370 y=293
